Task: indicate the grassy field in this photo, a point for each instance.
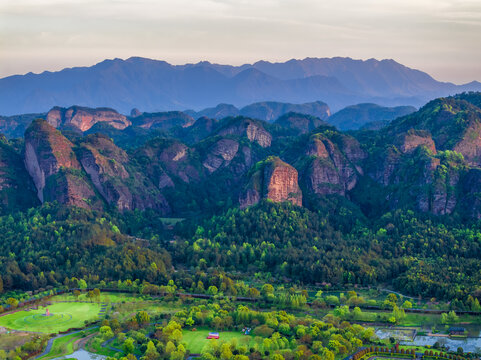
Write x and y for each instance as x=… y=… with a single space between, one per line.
x=65 y=345
x=196 y=340
x=413 y=319
x=171 y=221
x=124 y=311
x=64 y=316
x=104 y=297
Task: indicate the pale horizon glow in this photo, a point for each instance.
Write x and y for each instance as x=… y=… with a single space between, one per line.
x=440 y=37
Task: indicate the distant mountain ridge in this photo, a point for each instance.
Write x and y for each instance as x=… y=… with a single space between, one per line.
x=268 y=111
x=155 y=86
x=357 y=116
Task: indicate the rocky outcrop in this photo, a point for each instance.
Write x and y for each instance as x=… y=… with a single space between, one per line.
x=299 y=123
x=220 y=154
x=416 y=179
x=17 y=191
x=280 y=183
x=436 y=188
x=259 y=135
x=409 y=141
x=163 y=120
x=470 y=144
x=382 y=167
x=106 y=164
x=70 y=187
x=84 y=118
x=46 y=152
x=135 y=112
x=272 y=179
x=252 y=129
x=166 y=159
x=333 y=165
x=454 y=123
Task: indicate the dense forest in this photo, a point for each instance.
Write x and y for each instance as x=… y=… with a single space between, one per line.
x=396 y=207
x=418 y=254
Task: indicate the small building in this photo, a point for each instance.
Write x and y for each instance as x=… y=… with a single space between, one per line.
x=213 y=335
x=454 y=330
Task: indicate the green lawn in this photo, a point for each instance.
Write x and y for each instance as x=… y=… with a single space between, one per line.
x=196 y=340
x=64 y=316
x=413 y=319
x=104 y=297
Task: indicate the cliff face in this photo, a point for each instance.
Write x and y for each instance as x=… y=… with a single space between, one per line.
x=412 y=174
x=220 y=154
x=163 y=120
x=165 y=160
x=252 y=129
x=70 y=187
x=98 y=167
x=84 y=118
x=272 y=179
x=107 y=164
x=331 y=163
x=410 y=141
x=17 y=190
x=425 y=161
x=454 y=124
x=470 y=144
x=46 y=152
x=280 y=183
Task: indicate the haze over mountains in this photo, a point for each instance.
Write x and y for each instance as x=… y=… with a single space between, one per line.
x=153 y=85
x=350 y=118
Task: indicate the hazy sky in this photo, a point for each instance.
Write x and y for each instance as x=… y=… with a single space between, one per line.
x=441 y=37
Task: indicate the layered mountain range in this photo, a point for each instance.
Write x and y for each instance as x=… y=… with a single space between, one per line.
x=155 y=86
x=428 y=161
x=351 y=117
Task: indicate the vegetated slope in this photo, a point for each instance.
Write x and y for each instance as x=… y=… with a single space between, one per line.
x=53 y=242
x=364 y=207
x=299 y=123
x=356 y=116
x=14 y=126
x=416 y=253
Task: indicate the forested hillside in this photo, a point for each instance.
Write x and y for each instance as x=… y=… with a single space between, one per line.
x=154 y=196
